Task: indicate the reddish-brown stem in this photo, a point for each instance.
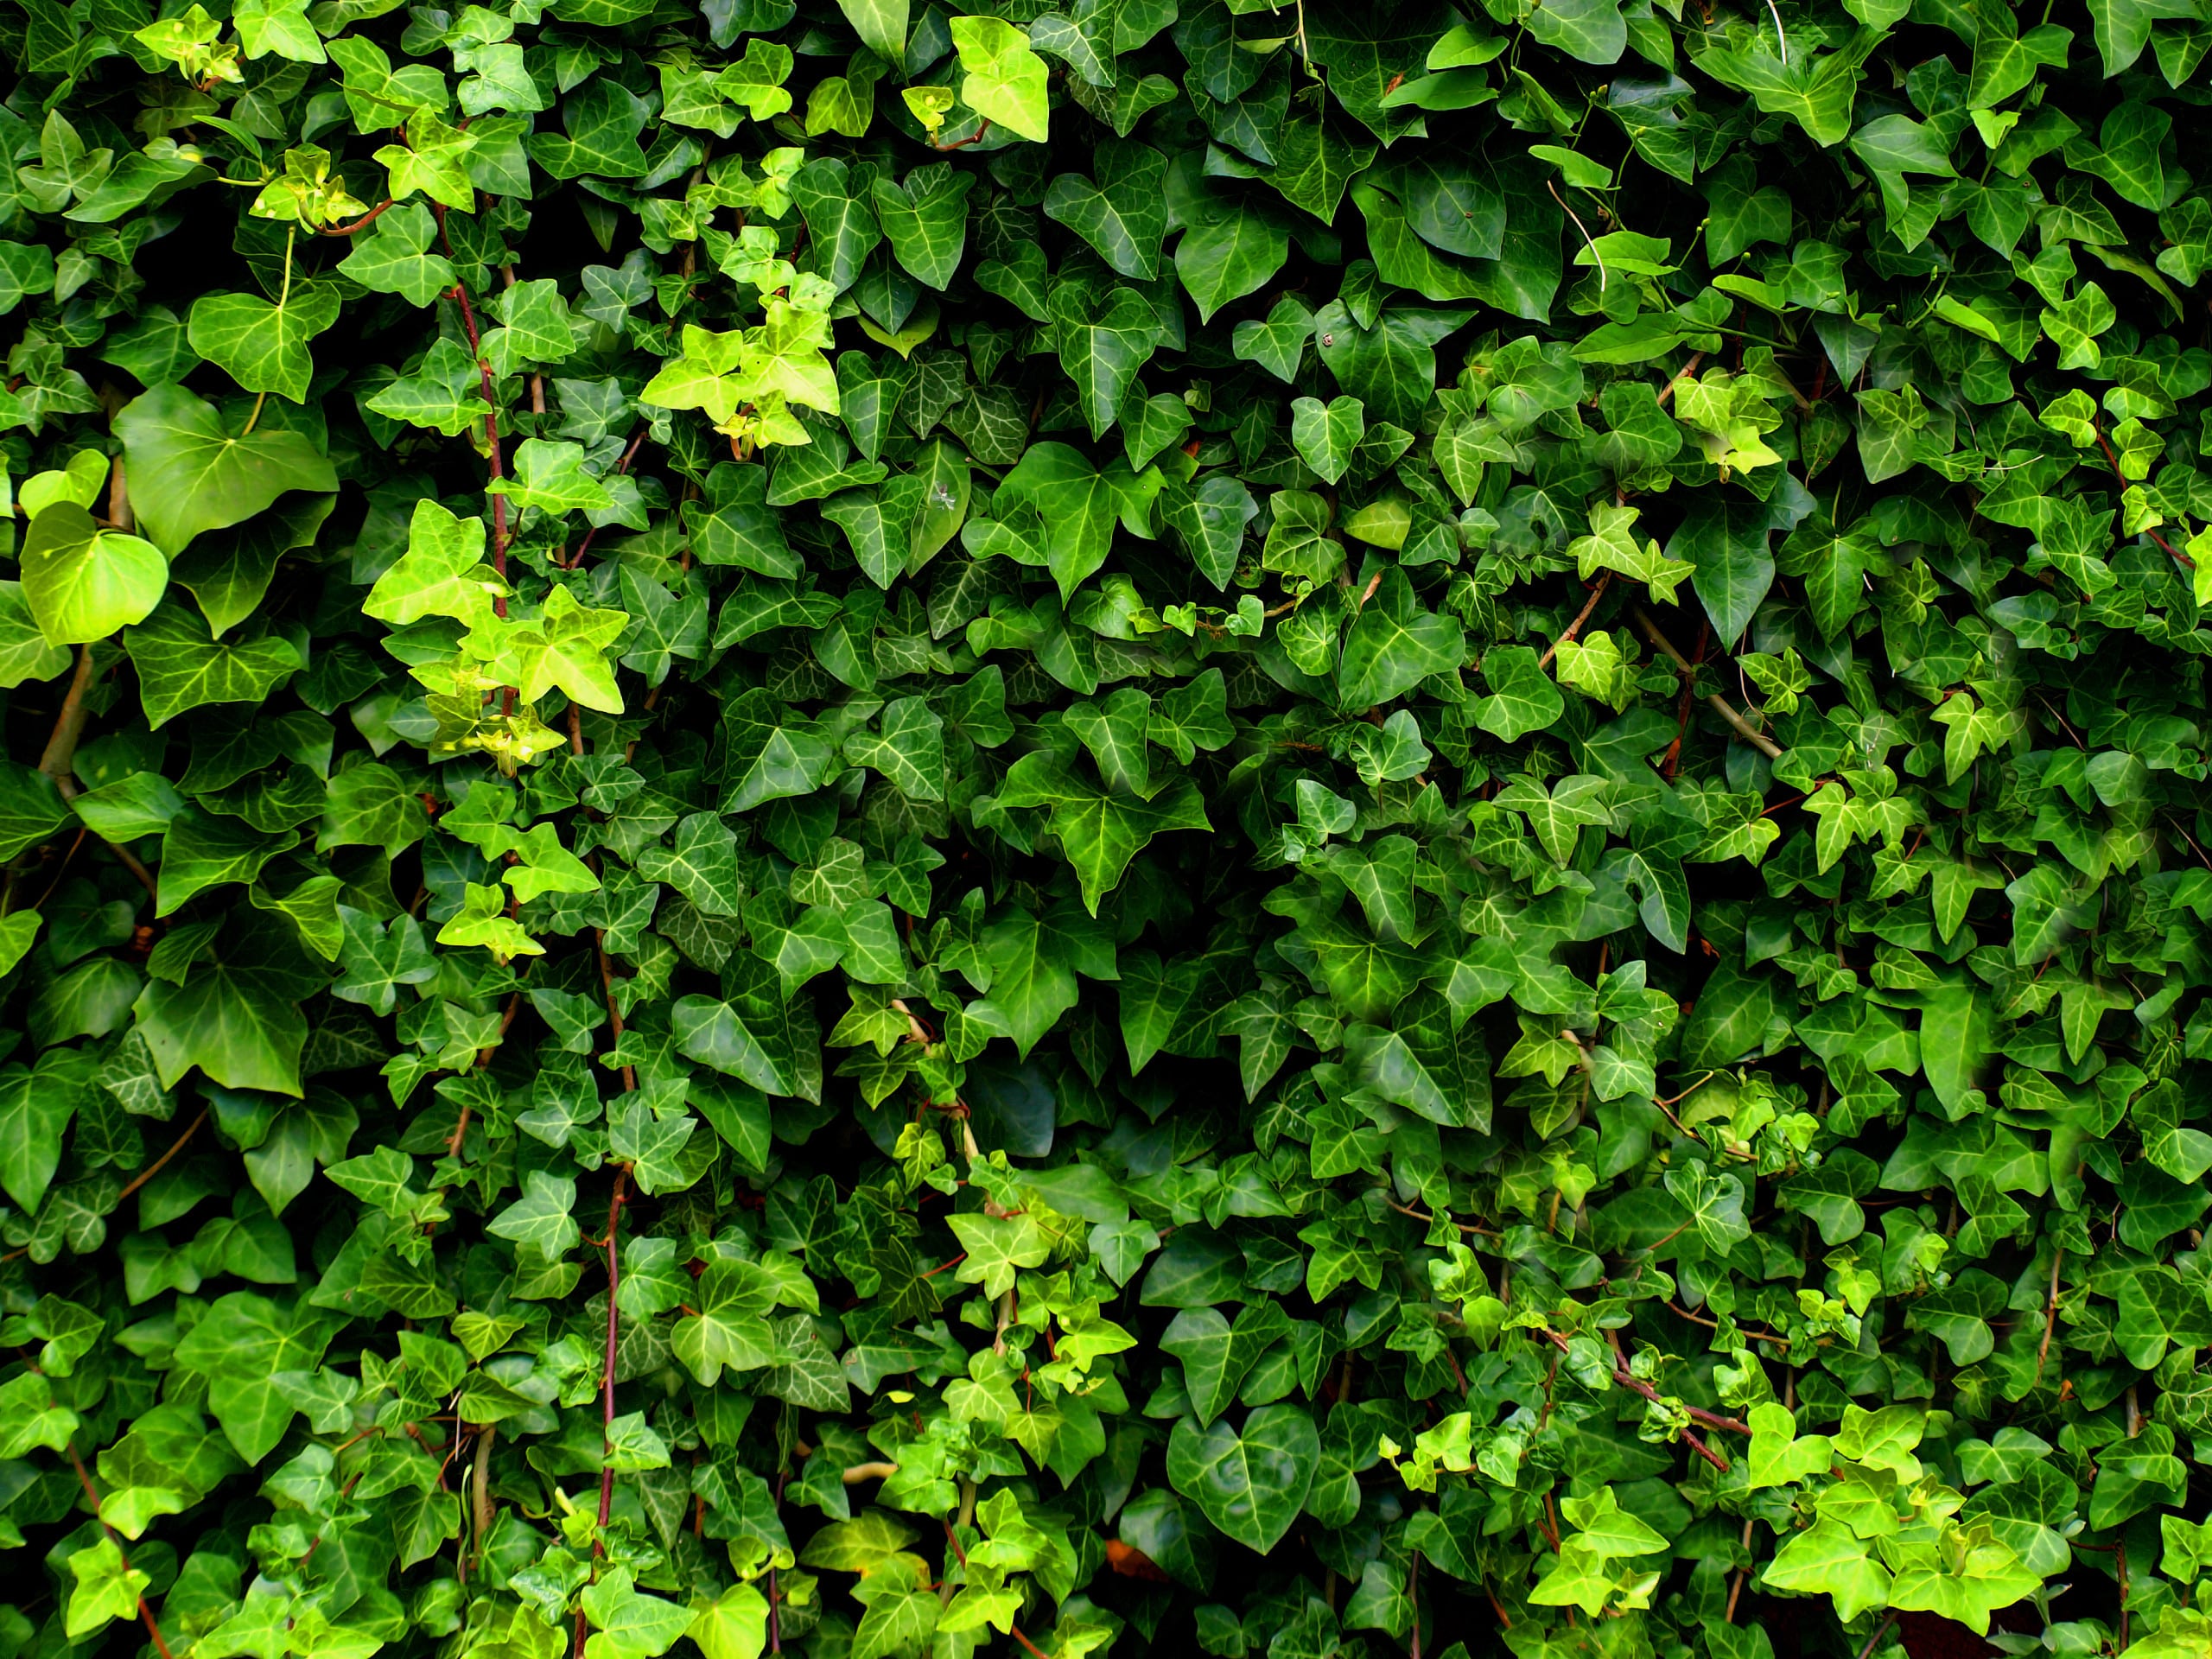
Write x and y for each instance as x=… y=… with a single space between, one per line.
x=162 y=1163
x=1604 y=580
x=1720 y=705
x=91 y=1492
x=2050 y=1312
x=1742 y=1574
x=613 y=1333
x=621 y=466
x=2172 y=552
x=1689 y=369
x=974 y=137
x=365 y=221
x=61 y=755
x=1627 y=1379
x=459 y=292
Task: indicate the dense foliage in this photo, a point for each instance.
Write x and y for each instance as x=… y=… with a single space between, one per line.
x=1154 y=826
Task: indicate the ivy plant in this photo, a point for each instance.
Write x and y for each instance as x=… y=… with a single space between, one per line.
x=1114 y=826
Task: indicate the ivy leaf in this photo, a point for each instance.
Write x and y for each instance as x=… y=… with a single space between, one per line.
x=550 y=475
x=1124 y=214
x=1724 y=538
x=83 y=582
x=908 y=749
x=1391 y=366
x=1002 y=80
x=735 y=1625
x=881 y=25
x=36 y=1105
x=1102 y=346
x=1815 y=89
x=927 y=220
x=1250 y=1483
x=1100 y=831
x=702 y=866
x=443 y=573
x=540 y=1219
x=1521 y=698
x=1080 y=504
x=2123 y=28
x=565 y=647
x=626 y=1623
x=1392 y=647
x=188 y=474
x=105 y=1589
x=1325 y=435
x=1314 y=162
x=241 y=1346
x=1277 y=345
x=264 y=345
x=180 y=667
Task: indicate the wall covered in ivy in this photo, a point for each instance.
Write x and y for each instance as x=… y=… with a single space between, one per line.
x=1168 y=826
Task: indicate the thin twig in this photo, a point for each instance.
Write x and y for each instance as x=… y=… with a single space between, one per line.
x=2050 y=1312
x=1635 y=1384
x=1604 y=580
x=1720 y=705
x=2105 y=444
x=1689 y=369
x=1423 y=1215
x=621 y=466
x=607 y=1375
x=360 y=224
x=614 y=1013
x=162 y=1163
x=974 y=137
x=459 y=292
x=1881 y=1631
x=481 y=1485
x=61 y=756
x=1736 y=1589
x=1714 y=1325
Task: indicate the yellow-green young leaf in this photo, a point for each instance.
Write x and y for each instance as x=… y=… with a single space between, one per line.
x=483 y=920
x=564 y=646
x=579 y=568
x=1002 y=80
x=443 y=573
x=626 y=1623
x=434 y=160
x=82 y=582
x=106 y=1588
x=735 y=1625
x=278 y=27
